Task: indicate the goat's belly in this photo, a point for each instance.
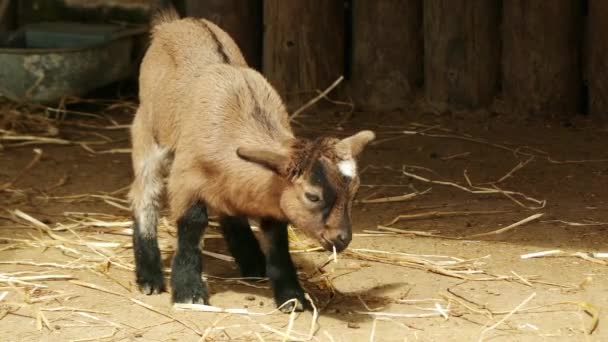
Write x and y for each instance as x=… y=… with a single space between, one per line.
x=244 y=206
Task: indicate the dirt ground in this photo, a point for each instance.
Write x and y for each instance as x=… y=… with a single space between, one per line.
x=445 y=287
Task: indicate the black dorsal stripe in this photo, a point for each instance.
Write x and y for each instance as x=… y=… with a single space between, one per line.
x=218 y=44
x=258 y=113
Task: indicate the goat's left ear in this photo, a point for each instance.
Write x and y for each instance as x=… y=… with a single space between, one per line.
x=356 y=143
x=272 y=160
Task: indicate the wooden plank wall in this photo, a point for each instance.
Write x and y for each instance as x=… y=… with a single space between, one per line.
x=461 y=52
x=303 y=46
x=597 y=57
x=387 y=53
x=458 y=53
x=542 y=43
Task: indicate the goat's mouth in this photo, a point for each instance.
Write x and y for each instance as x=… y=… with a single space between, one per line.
x=329 y=246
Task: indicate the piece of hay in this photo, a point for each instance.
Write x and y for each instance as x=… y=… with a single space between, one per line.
x=506 y=317
x=509 y=227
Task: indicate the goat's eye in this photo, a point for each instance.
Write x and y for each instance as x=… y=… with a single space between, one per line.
x=312 y=197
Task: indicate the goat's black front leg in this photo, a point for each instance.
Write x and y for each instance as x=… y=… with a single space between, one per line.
x=279 y=266
x=243 y=245
x=187 y=285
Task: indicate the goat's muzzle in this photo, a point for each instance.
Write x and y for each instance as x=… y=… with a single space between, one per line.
x=338 y=238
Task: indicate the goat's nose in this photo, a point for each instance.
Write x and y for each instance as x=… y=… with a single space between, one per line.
x=345 y=237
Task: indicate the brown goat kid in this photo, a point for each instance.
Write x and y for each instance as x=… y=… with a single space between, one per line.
x=221 y=134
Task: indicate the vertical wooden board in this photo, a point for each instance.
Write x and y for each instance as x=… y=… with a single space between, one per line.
x=462 y=50
x=541 y=56
x=303 y=46
x=242 y=20
x=597 y=58
x=8 y=15
x=387 y=65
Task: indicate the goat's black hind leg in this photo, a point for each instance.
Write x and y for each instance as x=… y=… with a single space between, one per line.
x=243 y=246
x=280 y=268
x=186 y=282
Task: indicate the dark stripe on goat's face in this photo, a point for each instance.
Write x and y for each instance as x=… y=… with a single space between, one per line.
x=218 y=44
x=318 y=177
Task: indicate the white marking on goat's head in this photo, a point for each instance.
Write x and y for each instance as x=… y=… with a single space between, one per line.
x=322 y=182
x=348 y=168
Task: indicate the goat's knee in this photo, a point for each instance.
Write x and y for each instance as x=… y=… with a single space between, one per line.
x=186 y=283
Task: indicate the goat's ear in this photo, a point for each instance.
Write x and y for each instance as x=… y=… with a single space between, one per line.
x=272 y=160
x=356 y=143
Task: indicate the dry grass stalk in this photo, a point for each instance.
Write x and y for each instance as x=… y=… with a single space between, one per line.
x=153 y=309
x=440 y=214
x=577 y=224
x=507 y=316
x=517 y=167
x=592 y=257
x=400 y=315
x=540 y=254
x=509 y=227
x=592 y=311
x=95 y=287
x=316 y=99
x=28 y=167
x=218 y=256
x=455 y=156
x=484 y=191
x=515 y=151
x=27 y=280
x=397 y=231
x=392 y=199
x=456 y=269
x=522 y=279
x=581 y=161
x=72 y=309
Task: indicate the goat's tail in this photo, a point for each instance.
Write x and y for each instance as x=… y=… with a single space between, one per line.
x=163 y=16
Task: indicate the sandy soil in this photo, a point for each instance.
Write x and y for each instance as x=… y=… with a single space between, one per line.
x=410 y=302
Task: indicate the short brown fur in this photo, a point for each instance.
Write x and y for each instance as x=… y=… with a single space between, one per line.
x=228 y=133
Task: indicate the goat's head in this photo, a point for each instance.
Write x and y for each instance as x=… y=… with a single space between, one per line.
x=322 y=181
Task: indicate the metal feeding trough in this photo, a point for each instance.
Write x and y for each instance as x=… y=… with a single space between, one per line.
x=44 y=62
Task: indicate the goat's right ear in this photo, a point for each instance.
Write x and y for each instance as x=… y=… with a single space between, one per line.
x=269 y=159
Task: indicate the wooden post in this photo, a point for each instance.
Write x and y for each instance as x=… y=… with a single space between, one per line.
x=597 y=58
x=541 y=56
x=303 y=46
x=387 y=54
x=241 y=19
x=8 y=15
x=462 y=50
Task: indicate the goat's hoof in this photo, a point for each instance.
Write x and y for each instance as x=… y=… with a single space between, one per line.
x=151 y=283
x=191 y=296
x=299 y=304
x=190 y=292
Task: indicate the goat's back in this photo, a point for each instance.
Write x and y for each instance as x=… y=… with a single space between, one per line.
x=206 y=117
x=223 y=106
x=178 y=47
x=187 y=43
